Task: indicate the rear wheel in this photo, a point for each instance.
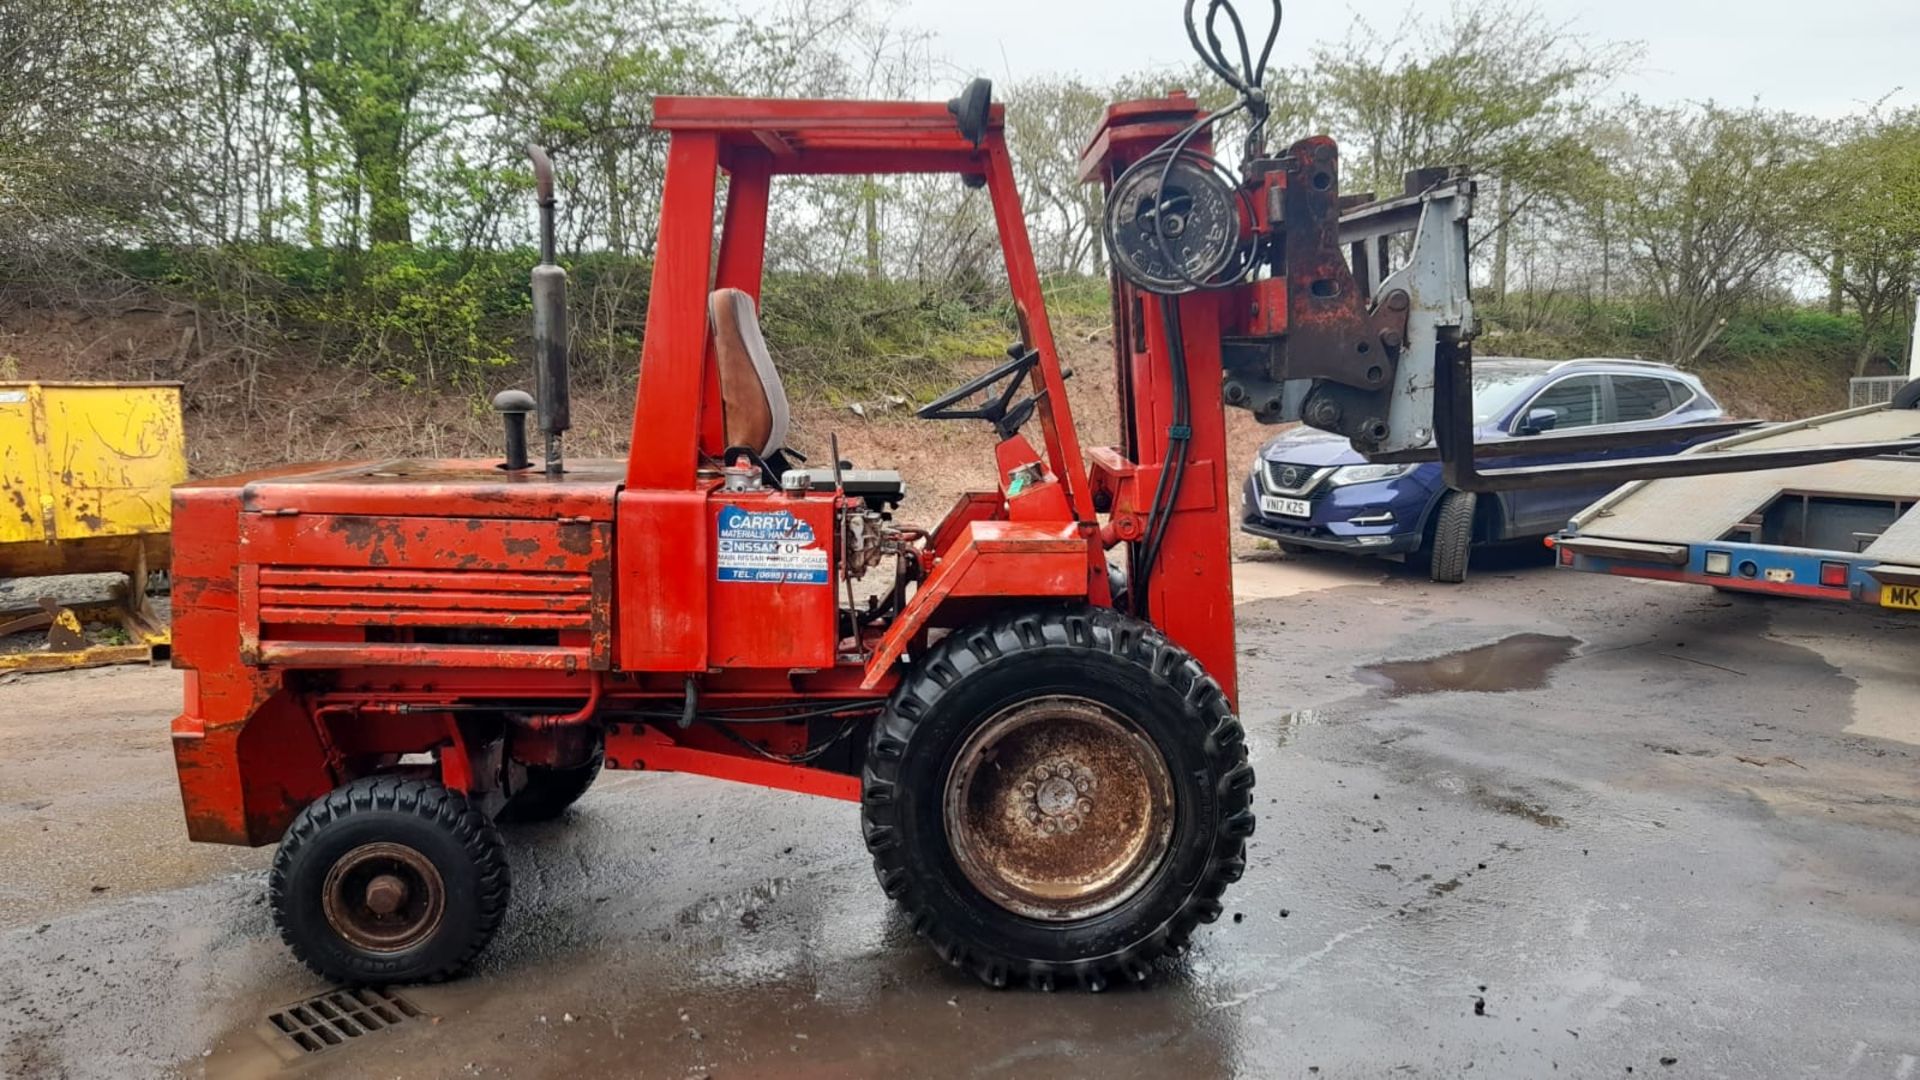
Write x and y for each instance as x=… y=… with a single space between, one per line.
x=1452 y=543
x=1907 y=397
x=389 y=880
x=1057 y=796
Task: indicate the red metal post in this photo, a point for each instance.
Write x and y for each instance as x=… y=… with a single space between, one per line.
x=664 y=452
x=1056 y=417
x=743 y=251
x=1190 y=588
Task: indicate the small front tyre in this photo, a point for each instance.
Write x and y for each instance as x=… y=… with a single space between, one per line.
x=1057 y=797
x=389 y=880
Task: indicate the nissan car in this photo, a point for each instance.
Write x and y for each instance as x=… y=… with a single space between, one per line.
x=1308 y=490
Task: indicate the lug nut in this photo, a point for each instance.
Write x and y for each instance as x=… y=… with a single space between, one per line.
x=385 y=894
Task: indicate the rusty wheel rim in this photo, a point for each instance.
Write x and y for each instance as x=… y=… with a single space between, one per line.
x=384 y=897
x=1059 y=808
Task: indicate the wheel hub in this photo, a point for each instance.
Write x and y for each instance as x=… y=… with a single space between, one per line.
x=1059 y=808
x=385 y=894
x=384 y=897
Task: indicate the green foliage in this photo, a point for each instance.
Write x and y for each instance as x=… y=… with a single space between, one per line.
x=416 y=313
x=1561 y=328
x=1706 y=201
x=438 y=317
x=849 y=337
x=380 y=69
x=1861 y=220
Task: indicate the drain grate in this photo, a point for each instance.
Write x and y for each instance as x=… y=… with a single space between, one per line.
x=338 y=1017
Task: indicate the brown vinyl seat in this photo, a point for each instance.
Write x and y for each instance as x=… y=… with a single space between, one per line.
x=753 y=399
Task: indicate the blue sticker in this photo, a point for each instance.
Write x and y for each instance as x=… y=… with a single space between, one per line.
x=771 y=547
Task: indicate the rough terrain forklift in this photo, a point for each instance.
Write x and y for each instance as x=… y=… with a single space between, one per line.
x=1033 y=706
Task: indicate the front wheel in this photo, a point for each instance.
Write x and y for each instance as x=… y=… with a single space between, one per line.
x=1057 y=796
x=1448 y=552
x=389 y=880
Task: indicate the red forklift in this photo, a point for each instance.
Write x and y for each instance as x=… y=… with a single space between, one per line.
x=1033 y=705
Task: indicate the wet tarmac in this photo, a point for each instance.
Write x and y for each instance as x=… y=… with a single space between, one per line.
x=1542 y=825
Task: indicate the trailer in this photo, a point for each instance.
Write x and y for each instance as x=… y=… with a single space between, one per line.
x=1839 y=530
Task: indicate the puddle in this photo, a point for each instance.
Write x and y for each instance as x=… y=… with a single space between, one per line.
x=1299 y=718
x=1520 y=808
x=744 y=906
x=1520 y=662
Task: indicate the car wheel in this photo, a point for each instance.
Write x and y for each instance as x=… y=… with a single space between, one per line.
x=1452 y=543
x=1907 y=396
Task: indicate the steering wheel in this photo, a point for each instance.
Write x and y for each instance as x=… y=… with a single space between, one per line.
x=999 y=409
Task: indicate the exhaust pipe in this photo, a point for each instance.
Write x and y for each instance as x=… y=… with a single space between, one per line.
x=549 y=323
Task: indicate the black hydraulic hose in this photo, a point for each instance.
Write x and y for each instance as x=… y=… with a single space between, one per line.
x=1249 y=78
x=1173 y=468
x=1248 y=81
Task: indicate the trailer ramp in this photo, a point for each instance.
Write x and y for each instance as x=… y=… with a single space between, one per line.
x=1841 y=530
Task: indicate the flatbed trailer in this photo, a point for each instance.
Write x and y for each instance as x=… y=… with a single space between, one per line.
x=1843 y=530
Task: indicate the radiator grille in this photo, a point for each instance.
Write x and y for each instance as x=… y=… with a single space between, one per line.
x=320 y=596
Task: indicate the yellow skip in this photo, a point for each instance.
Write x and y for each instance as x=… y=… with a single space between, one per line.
x=86 y=472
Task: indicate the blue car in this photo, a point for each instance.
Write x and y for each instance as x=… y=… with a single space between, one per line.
x=1310 y=490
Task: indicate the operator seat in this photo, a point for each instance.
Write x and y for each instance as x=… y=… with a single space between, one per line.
x=753 y=406
x=753 y=399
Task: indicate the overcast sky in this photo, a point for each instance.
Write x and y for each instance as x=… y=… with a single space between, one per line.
x=1825 y=58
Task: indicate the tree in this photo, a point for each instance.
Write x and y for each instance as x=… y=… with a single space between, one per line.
x=1496 y=88
x=582 y=83
x=1706 y=201
x=382 y=71
x=79 y=153
x=1861 y=220
x=1047 y=122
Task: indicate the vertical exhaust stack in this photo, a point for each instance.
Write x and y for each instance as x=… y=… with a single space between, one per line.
x=549 y=323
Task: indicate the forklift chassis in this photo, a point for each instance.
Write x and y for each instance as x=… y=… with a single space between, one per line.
x=382 y=659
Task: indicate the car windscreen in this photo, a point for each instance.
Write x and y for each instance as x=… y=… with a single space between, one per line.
x=1496 y=389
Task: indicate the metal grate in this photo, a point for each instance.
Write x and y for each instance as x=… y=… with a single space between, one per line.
x=339 y=1017
x=1873 y=389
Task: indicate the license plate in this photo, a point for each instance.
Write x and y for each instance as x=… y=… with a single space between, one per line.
x=1900 y=596
x=1274 y=504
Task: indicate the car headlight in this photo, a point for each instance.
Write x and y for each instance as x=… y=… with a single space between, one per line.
x=1366 y=474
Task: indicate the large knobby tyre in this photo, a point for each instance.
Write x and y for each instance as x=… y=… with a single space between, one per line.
x=1057 y=796
x=389 y=880
x=1452 y=543
x=546 y=793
